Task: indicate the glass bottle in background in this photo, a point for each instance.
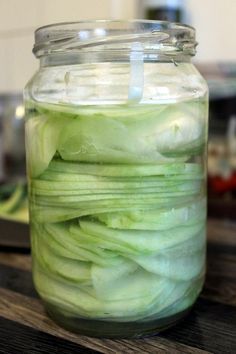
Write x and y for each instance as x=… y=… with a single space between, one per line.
x=13 y=138
x=163 y=10
x=13 y=191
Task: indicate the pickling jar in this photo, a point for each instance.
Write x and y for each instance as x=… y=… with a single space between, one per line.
x=116 y=133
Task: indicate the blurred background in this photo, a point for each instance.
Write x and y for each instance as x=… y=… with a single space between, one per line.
x=215 y=23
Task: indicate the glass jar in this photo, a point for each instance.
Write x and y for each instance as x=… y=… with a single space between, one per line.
x=116 y=132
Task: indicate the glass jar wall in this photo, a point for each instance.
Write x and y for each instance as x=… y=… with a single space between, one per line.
x=116 y=131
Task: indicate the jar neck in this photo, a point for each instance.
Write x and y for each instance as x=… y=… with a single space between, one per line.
x=157 y=39
x=73 y=58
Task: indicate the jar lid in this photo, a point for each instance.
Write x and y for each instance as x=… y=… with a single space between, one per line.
x=114 y=35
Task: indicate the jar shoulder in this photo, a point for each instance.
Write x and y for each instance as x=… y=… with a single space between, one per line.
x=116 y=82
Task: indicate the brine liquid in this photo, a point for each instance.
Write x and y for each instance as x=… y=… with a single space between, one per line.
x=118 y=212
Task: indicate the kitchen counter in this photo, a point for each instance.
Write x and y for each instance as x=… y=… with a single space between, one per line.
x=209 y=328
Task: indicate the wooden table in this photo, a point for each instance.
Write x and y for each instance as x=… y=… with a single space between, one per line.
x=210 y=327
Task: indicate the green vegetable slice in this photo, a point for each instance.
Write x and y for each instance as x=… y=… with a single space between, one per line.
x=60 y=233
x=136 y=241
x=156 y=219
x=148 y=287
x=131 y=170
x=66 y=268
x=43 y=134
x=178 y=267
x=46 y=211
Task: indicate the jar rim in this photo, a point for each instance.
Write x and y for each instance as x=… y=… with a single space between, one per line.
x=114 y=34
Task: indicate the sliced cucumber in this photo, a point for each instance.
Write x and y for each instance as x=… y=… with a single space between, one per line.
x=140 y=241
x=130 y=170
x=156 y=219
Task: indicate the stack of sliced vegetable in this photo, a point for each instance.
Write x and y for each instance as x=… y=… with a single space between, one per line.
x=14 y=202
x=118 y=208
